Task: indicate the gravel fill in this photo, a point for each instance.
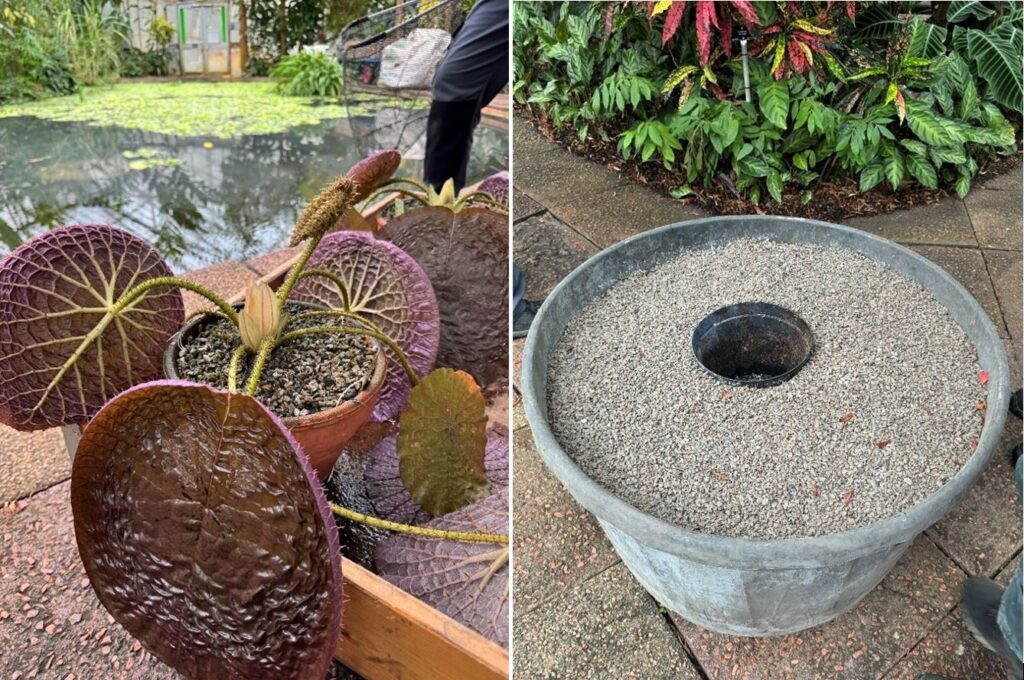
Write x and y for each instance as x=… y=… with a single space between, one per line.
x=887 y=409
x=307 y=375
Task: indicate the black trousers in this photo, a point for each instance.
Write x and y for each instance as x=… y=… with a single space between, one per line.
x=474 y=70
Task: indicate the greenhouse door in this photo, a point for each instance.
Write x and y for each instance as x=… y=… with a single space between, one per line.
x=203 y=35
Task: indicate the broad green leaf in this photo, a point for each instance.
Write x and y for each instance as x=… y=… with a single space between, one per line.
x=871 y=175
x=926 y=39
x=676 y=77
x=774 y=185
x=894 y=168
x=773 y=98
x=441 y=442
x=923 y=171
x=930 y=128
x=963 y=183
x=961 y=10
x=999 y=65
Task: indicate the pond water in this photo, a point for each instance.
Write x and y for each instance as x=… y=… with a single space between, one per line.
x=198 y=200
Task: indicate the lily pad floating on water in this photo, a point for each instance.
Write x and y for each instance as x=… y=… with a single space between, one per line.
x=205 y=533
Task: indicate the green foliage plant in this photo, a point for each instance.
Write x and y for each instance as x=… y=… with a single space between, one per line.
x=309 y=74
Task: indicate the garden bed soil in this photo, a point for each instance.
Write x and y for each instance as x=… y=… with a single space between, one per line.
x=832 y=201
x=888 y=408
x=307 y=375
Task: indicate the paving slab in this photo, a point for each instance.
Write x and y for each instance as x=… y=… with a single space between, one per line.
x=51 y=623
x=226 y=279
x=557 y=544
x=942 y=223
x=985 y=530
x=528 y=142
x=519 y=421
x=609 y=215
x=967 y=265
x=995 y=212
x=523 y=206
x=949 y=651
x=863 y=643
x=547 y=250
x=31 y=462
x=518 y=346
x=607 y=627
x=1007 y=275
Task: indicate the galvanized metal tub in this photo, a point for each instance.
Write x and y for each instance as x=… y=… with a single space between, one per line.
x=742 y=586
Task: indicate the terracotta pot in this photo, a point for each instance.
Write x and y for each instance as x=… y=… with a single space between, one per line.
x=322 y=435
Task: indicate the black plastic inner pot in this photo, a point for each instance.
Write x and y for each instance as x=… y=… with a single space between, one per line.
x=752 y=343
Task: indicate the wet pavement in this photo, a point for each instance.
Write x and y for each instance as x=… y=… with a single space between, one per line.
x=576 y=604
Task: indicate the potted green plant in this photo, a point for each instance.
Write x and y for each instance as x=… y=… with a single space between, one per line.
x=198 y=516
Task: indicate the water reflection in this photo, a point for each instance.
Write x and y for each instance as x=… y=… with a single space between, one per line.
x=197 y=205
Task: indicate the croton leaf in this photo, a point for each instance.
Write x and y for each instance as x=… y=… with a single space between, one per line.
x=465 y=254
x=389 y=289
x=205 y=533
x=62 y=356
x=496 y=186
x=373 y=171
x=441 y=442
x=466 y=581
x=391 y=500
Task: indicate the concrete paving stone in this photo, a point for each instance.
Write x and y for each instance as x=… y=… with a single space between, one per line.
x=51 y=623
x=995 y=211
x=519 y=417
x=270 y=262
x=943 y=223
x=227 y=279
x=608 y=215
x=1011 y=180
x=1008 y=278
x=967 y=265
x=523 y=206
x=949 y=651
x=863 y=643
x=605 y=628
x=557 y=544
x=985 y=530
x=547 y=250
x=517 y=361
x=528 y=142
x=31 y=462
x=1013 y=357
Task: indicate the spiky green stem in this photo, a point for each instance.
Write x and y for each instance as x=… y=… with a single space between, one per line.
x=236 y=362
x=293 y=274
x=346 y=300
x=138 y=291
x=387 y=525
x=253 y=383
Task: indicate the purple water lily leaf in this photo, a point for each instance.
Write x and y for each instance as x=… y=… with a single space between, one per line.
x=205 y=533
x=467 y=581
x=387 y=287
x=496 y=186
x=465 y=254
x=391 y=500
x=61 y=355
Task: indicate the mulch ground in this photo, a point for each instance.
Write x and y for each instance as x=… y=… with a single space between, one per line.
x=832 y=200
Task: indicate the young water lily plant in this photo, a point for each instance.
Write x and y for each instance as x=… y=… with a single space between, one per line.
x=201 y=522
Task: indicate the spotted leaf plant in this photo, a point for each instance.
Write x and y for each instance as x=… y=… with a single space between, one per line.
x=200 y=522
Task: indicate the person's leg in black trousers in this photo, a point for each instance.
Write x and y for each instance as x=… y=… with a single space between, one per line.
x=474 y=70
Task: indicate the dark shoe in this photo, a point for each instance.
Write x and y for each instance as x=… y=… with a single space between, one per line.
x=522 y=321
x=982 y=597
x=1015 y=402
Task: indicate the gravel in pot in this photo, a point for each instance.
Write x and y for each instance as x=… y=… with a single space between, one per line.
x=307 y=375
x=885 y=411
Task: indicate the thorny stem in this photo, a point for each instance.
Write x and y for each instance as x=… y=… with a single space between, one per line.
x=138 y=291
x=296 y=270
x=409 y=371
x=402 y=180
x=401 y=192
x=253 y=384
x=479 y=197
x=333 y=278
x=236 y=361
x=428 y=532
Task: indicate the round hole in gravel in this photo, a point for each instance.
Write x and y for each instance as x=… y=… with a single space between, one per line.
x=752 y=343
